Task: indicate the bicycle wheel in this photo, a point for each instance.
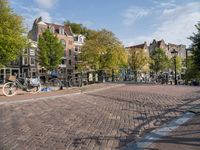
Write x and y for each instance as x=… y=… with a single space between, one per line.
x=54 y=84
x=75 y=82
x=34 y=88
x=9 y=89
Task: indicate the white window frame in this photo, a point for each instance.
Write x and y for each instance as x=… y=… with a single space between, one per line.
x=32 y=64
x=32 y=51
x=23 y=61
x=61 y=31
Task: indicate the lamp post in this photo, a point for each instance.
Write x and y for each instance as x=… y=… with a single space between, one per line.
x=174 y=54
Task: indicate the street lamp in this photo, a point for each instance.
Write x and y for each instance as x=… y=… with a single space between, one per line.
x=174 y=54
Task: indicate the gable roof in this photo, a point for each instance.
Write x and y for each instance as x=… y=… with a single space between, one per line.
x=139 y=46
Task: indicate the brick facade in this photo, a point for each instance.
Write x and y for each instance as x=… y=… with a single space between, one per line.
x=65 y=35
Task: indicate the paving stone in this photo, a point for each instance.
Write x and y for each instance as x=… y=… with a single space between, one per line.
x=105 y=119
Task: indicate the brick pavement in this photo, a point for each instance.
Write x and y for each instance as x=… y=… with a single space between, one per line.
x=186 y=137
x=23 y=95
x=107 y=119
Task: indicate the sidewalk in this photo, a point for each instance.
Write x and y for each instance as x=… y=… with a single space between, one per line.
x=22 y=95
x=186 y=137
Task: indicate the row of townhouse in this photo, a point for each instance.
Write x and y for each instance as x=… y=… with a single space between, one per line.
x=182 y=51
x=168 y=48
x=27 y=66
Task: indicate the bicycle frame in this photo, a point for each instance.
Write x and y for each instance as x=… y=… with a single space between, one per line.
x=19 y=85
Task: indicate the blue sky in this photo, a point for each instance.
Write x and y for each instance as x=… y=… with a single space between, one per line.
x=132 y=21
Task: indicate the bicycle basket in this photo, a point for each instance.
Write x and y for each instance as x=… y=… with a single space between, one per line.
x=34 y=82
x=11 y=78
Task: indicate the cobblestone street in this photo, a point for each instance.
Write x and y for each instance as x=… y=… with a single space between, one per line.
x=99 y=120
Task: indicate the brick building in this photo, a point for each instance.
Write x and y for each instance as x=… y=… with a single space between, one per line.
x=65 y=35
x=168 y=48
x=143 y=46
x=79 y=40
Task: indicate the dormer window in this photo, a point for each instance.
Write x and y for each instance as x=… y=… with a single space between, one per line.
x=80 y=39
x=76 y=38
x=61 y=31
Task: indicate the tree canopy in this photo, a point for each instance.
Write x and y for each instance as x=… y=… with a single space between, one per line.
x=12 y=39
x=103 y=51
x=138 y=59
x=195 y=38
x=178 y=64
x=51 y=50
x=78 y=28
x=159 y=60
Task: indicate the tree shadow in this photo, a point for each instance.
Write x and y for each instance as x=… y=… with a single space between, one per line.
x=132 y=135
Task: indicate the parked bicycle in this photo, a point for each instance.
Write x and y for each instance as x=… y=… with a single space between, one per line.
x=31 y=85
x=58 y=84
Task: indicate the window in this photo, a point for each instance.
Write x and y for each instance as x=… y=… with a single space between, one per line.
x=63 y=62
x=70 y=52
x=63 y=42
x=70 y=62
x=32 y=51
x=25 y=51
x=25 y=61
x=33 y=72
x=61 y=31
x=76 y=38
x=76 y=58
x=76 y=48
x=32 y=61
x=80 y=39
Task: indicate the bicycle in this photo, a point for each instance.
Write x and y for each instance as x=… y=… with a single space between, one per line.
x=55 y=84
x=31 y=85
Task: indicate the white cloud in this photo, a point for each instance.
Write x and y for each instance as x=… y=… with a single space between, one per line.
x=134 y=13
x=162 y=4
x=45 y=16
x=46 y=3
x=177 y=24
x=31 y=13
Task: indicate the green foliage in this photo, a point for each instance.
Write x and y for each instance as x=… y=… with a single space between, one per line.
x=178 y=64
x=193 y=62
x=12 y=40
x=51 y=51
x=196 y=46
x=103 y=51
x=159 y=60
x=138 y=59
x=192 y=72
x=77 y=28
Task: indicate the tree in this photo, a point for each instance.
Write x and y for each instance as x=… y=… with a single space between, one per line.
x=196 y=47
x=12 y=39
x=178 y=64
x=78 y=28
x=138 y=61
x=50 y=52
x=159 y=60
x=103 y=51
x=192 y=71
